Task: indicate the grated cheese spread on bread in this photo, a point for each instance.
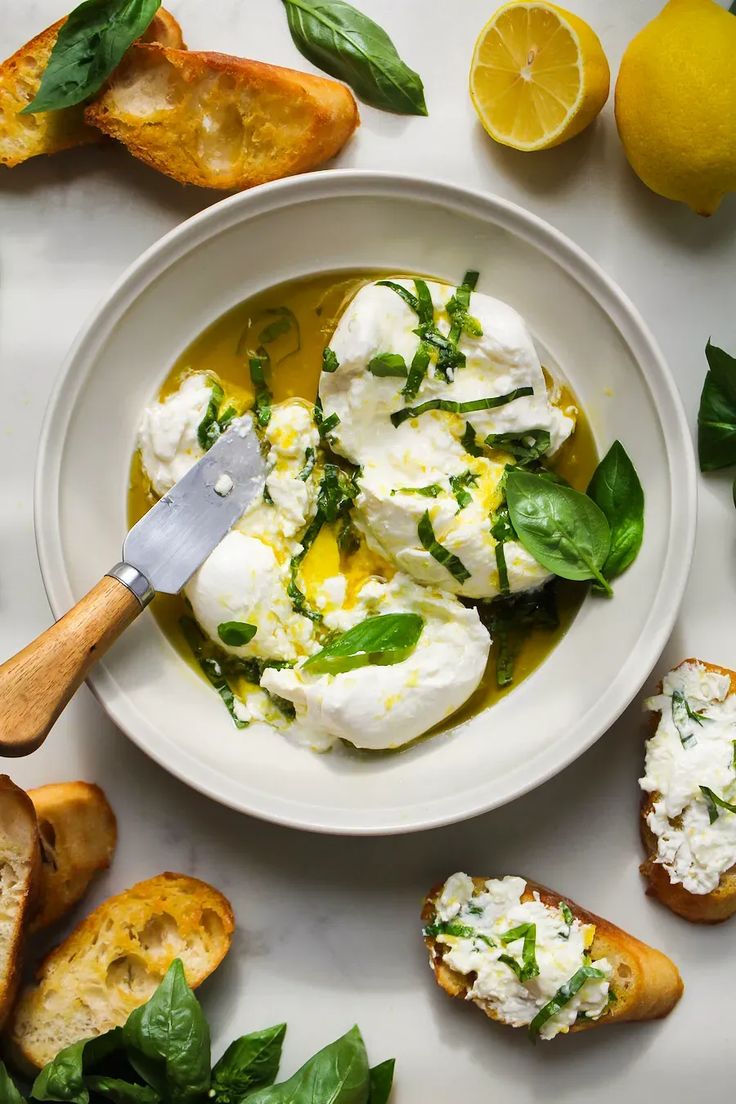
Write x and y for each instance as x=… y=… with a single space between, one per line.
x=520 y=953
x=691 y=771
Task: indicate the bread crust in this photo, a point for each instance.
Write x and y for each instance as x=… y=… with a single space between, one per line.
x=20 y=860
x=223 y=122
x=646 y=982
x=114 y=959
x=698 y=908
x=47 y=132
x=78 y=834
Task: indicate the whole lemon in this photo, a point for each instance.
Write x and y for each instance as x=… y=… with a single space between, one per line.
x=676 y=103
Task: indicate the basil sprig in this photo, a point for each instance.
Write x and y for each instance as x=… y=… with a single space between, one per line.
x=714 y=803
x=437 y=551
x=236 y=633
x=348 y=45
x=528 y=967
x=616 y=489
x=382 y=640
x=562 y=997
x=564 y=530
x=717 y=413
x=684 y=717
x=89 y=45
x=450 y=406
x=162 y=1056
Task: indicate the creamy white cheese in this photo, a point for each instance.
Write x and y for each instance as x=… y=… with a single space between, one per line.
x=387 y=706
x=561 y=948
x=684 y=754
x=167 y=436
x=224 y=484
x=428 y=450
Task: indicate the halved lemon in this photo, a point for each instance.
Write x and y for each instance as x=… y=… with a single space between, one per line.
x=538 y=76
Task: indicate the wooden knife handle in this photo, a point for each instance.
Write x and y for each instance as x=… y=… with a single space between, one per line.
x=37 y=683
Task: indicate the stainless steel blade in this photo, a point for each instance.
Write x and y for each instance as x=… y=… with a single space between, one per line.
x=179 y=532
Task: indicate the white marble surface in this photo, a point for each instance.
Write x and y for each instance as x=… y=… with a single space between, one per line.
x=328 y=931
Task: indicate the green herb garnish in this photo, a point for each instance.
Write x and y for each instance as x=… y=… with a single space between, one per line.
x=382 y=640
x=459 y=931
x=452 y=407
x=310 y=458
x=562 y=997
x=330 y=363
x=408 y=296
x=324 y=425
x=214 y=424
x=345 y=43
x=298 y=598
x=438 y=552
x=211 y=667
x=714 y=802
x=417 y=371
x=528 y=968
x=525 y=449
x=468 y=441
x=348 y=537
x=388 y=364
x=236 y=633
x=430 y=491
x=510 y=618
x=460 y=484
x=682 y=715
x=503 y=572
x=717 y=413
x=262 y=400
x=616 y=489
x=568 y=917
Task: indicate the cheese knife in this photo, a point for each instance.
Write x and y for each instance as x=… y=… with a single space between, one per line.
x=160 y=554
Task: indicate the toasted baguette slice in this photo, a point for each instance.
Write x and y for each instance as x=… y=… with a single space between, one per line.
x=222 y=122
x=647 y=984
x=78 y=834
x=700 y=908
x=112 y=962
x=19 y=869
x=25 y=136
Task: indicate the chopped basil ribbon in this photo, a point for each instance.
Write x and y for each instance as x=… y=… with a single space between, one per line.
x=213 y=425
x=468 y=441
x=431 y=491
x=262 y=401
x=459 y=485
x=457 y=309
x=682 y=715
x=330 y=363
x=275 y=329
x=388 y=364
x=210 y=667
x=448 y=559
x=510 y=618
x=236 y=633
x=298 y=598
x=562 y=997
x=382 y=640
x=409 y=298
x=503 y=572
x=525 y=448
x=713 y=802
x=452 y=407
x=348 y=537
x=459 y=931
x=528 y=968
x=336 y=494
x=417 y=371
x=568 y=917
x=502 y=530
x=310 y=458
x=324 y=425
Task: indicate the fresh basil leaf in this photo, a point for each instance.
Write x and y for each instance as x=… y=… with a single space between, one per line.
x=529 y=967
x=564 y=530
x=437 y=551
x=88 y=47
x=456 y=929
x=339 y=39
x=236 y=633
x=388 y=364
x=249 y=1063
x=310 y=458
x=453 y=407
x=525 y=447
x=381 y=1082
x=64 y=1076
x=616 y=489
x=330 y=363
x=430 y=491
x=9 y=1093
x=717 y=413
x=338 y=1074
x=562 y=997
x=383 y=640
x=714 y=802
x=171 y=1035
x=683 y=717
x=122 y=1092
x=262 y=401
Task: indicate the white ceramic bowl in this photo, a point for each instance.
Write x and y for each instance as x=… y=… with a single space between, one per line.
x=329 y=221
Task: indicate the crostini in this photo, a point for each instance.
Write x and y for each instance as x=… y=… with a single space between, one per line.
x=222 y=122
x=688 y=813
x=112 y=962
x=78 y=833
x=531 y=958
x=26 y=136
x=19 y=865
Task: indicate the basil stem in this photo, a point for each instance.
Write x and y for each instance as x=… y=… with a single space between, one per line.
x=452 y=407
x=89 y=45
x=682 y=715
x=438 y=552
x=714 y=802
x=330 y=363
x=236 y=633
x=562 y=997
x=381 y=640
x=459 y=931
x=348 y=45
x=388 y=364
